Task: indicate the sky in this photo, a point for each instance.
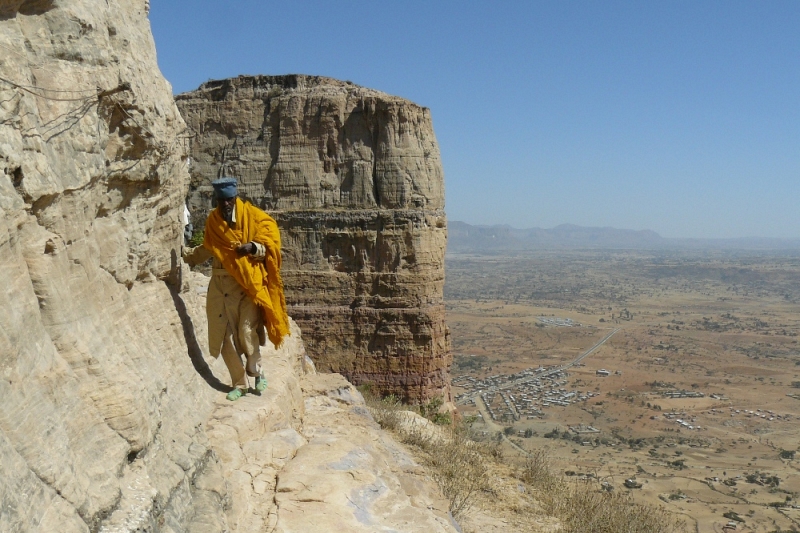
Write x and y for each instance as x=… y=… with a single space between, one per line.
x=678 y=116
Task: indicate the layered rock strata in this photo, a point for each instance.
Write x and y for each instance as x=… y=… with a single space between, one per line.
x=354 y=178
x=113 y=416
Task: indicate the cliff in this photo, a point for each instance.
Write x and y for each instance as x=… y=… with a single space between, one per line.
x=92 y=350
x=112 y=415
x=354 y=179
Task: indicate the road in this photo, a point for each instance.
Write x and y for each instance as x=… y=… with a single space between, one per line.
x=520 y=381
x=496 y=429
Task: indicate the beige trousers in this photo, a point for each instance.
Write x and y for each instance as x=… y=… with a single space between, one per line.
x=234 y=320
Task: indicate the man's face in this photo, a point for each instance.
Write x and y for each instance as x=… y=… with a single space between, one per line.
x=226 y=205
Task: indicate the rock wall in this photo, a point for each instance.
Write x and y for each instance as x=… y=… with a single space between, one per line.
x=95 y=386
x=354 y=178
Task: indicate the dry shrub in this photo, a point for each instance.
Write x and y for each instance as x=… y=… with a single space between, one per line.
x=459 y=461
x=583 y=508
x=389 y=412
x=386 y=411
x=587 y=510
x=536 y=473
x=459 y=470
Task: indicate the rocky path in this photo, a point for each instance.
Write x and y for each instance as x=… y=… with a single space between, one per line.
x=305 y=455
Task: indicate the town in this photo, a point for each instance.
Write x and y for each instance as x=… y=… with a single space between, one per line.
x=509 y=397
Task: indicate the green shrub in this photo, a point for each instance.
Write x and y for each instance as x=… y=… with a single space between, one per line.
x=197 y=238
x=442 y=419
x=787 y=454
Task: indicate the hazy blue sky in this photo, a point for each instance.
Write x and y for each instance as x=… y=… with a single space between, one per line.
x=678 y=116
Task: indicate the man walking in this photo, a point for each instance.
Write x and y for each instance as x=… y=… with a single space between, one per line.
x=245 y=302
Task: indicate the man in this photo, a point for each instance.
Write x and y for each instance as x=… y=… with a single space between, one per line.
x=245 y=295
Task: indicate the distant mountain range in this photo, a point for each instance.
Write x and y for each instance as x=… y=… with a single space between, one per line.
x=463 y=237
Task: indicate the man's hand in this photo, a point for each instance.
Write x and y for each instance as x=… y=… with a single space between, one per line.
x=249 y=248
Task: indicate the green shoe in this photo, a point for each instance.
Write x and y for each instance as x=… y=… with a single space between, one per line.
x=261 y=383
x=235 y=394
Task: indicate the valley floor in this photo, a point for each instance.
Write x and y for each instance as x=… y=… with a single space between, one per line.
x=701 y=404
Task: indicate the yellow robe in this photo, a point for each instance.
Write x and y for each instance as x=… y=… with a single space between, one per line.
x=260 y=279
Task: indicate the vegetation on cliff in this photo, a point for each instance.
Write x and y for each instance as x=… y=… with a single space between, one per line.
x=477 y=479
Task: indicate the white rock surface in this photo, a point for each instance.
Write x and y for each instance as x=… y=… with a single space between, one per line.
x=351 y=476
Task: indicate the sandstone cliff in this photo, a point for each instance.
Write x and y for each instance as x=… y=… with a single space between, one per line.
x=354 y=178
x=112 y=416
x=90 y=196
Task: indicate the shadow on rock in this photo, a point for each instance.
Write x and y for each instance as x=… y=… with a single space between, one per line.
x=193 y=347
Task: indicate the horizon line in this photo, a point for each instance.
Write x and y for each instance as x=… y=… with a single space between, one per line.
x=746 y=237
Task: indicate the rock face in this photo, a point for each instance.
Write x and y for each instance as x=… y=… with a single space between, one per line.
x=92 y=350
x=112 y=419
x=354 y=178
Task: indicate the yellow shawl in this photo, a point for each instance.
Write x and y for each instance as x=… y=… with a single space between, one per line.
x=261 y=280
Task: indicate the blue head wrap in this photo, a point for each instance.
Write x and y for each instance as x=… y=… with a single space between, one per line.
x=224 y=188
